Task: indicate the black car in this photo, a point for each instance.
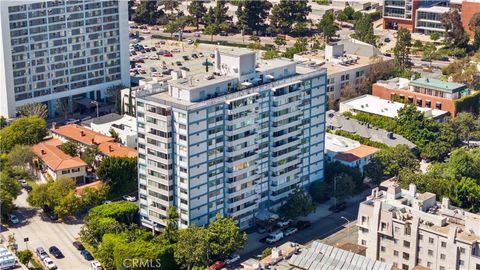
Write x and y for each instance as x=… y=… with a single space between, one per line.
x=27 y=188
x=78 y=245
x=185 y=58
x=303 y=224
x=52 y=216
x=178 y=63
x=339 y=207
x=387 y=40
x=153 y=49
x=194 y=55
x=46 y=208
x=153 y=69
x=185 y=68
x=55 y=252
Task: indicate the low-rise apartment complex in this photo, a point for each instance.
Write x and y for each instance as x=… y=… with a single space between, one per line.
x=231 y=142
x=428 y=93
x=408 y=228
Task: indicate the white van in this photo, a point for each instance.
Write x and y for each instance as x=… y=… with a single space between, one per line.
x=274 y=237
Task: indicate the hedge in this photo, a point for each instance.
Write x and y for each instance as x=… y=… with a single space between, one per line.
x=361 y=139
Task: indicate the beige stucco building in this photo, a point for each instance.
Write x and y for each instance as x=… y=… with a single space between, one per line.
x=407 y=228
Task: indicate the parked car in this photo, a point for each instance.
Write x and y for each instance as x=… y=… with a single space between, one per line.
x=189 y=41
x=207 y=63
x=274 y=237
x=232 y=259
x=46 y=208
x=22 y=181
x=178 y=63
x=283 y=223
x=175 y=50
x=185 y=68
x=129 y=198
x=52 y=216
x=78 y=245
x=96 y=265
x=387 y=40
x=49 y=263
x=303 y=224
x=290 y=231
x=185 y=57
x=341 y=206
x=168 y=54
x=153 y=69
x=217 y=265
x=71 y=121
x=27 y=188
x=55 y=252
x=194 y=55
x=86 y=255
x=14 y=219
x=41 y=253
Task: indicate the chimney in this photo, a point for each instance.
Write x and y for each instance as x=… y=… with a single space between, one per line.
x=412 y=189
x=110 y=149
x=217 y=61
x=43 y=152
x=445 y=203
x=394 y=192
x=93 y=141
x=82 y=133
x=54 y=125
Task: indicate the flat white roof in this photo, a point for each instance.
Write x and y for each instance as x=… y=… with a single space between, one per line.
x=375 y=105
x=339 y=144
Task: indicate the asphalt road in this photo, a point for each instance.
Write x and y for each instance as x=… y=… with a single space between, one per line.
x=320 y=229
x=44 y=233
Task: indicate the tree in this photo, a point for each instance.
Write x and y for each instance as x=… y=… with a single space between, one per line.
x=454 y=32
x=95 y=228
x=319 y=191
x=474 y=25
x=9 y=190
x=211 y=29
x=374 y=170
x=27 y=130
x=114 y=135
x=412 y=124
x=170 y=5
x=122 y=211
x=220 y=12
x=24 y=256
x=266 y=252
x=466 y=193
x=12 y=242
x=348 y=92
x=192 y=247
x=21 y=155
x=271 y=54
x=147 y=12
x=171 y=223
x=390 y=162
x=33 y=109
x=197 y=10
x=297 y=204
x=434 y=36
x=224 y=237
x=402 y=51
x=252 y=14
x=280 y=41
x=327 y=25
x=343 y=187
x=209 y=17
x=287 y=13
x=364 y=30
x=172 y=27
x=70 y=148
x=299 y=46
x=466 y=126
x=89 y=155
x=120 y=173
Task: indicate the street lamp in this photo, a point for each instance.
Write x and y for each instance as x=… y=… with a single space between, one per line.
x=346 y=225
x=96 y=103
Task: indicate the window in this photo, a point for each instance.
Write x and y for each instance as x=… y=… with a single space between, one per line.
x=444 y=244
x=384 y=226
x=430 y=240
x=397 y=230
x=406 y=244
x=461 y=262
x=429 y=264
x=404 y=266
x=406 y=256
x=442 y=268
x=395 y=253
x=420 y=237
x=364 y=220
x=382 y=249
x=442 y=256
x=462 y=250
x=364 y=243
x=438 y=106
x=428 y=103
x=430 y=252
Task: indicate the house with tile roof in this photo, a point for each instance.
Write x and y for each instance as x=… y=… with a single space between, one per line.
x=347 y=151
x=89 y=138
x=51 y=162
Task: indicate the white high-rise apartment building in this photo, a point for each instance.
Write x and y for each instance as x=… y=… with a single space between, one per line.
x=61 y=49
x=232 y=142
x=407 y=228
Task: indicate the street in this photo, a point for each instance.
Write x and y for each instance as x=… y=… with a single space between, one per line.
x=320 y=229
x=41 y=232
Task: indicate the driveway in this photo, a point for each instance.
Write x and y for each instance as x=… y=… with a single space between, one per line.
x=44 y=233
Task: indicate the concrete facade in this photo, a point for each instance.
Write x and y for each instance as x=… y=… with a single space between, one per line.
x=66 y=50
x=408 y=228
x=231 y=142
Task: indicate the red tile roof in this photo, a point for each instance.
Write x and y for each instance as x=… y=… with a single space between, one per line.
x=356 y=153
x=113 y=149
x=53 y=157
x=94 y=185
x=81 y=134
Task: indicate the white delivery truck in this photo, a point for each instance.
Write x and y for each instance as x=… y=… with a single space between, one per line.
x=7 y=259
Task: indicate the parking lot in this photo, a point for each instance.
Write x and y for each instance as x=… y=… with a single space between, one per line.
x=180 y=51
x=42 y=232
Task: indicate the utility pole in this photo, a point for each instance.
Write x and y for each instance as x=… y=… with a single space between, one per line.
x=346 y=225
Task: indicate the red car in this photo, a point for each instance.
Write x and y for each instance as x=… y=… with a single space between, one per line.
x=217 y=265
x=168 y=55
